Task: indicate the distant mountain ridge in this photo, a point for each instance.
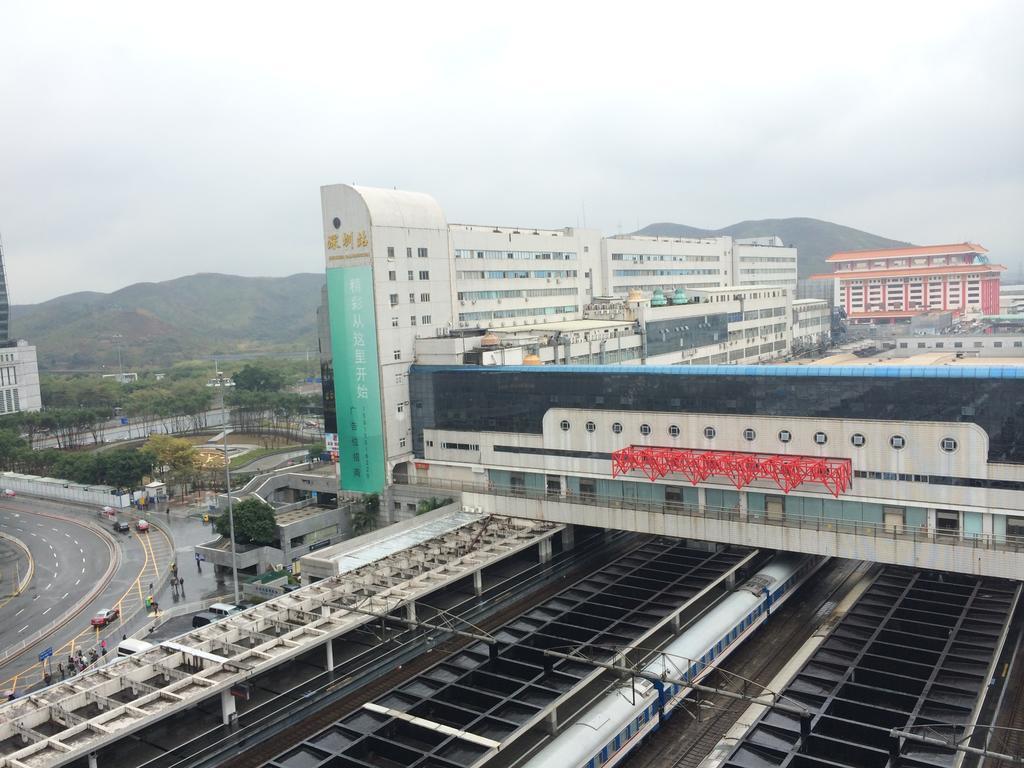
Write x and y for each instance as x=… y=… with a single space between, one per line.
x=180 y=319
x=815 y=240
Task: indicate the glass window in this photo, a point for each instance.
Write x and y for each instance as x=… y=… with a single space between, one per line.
x=858 y=440
x=617 y=428
x=749 y=434
x=412 y=319
x=897 y=442
x=398 y=354
x=785 y=435
x=424 y=297
x=421 y=252
x=590 y=426
x=426 y=320
x=394 y=322
x=673 y=430
x=392 y=275
x=645 y=429
x=949 y=445
x=564 y=424
x=393 y=298
x=820 y=438
x=411 y=275
x=391 y=251
x=424 y=274
x=709 y=433
x=408 y=253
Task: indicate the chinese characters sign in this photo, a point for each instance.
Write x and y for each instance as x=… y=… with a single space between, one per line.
x=356 y=381
x=342 y=246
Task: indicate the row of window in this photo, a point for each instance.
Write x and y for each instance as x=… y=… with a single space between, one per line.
x=504 y=314
x=461 y=253
x=424 y=275
x=421 y=252
x=638 y=258
x=514 y=274
x=662 y=272
x=516 y=293
x=393 y=298
x=958 y=344
x=424 y=320
x=898 y=442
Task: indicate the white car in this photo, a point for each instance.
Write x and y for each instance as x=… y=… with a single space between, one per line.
x=9 y=493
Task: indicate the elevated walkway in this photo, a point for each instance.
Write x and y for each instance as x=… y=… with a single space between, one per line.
x=910 y=546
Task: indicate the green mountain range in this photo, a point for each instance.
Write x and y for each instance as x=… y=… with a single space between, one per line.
x=182 y=319
x=815 y=240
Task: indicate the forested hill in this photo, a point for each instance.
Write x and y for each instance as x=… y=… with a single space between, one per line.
x=180 y=319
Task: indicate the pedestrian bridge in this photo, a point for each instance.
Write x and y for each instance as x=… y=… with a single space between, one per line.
x=912 y=546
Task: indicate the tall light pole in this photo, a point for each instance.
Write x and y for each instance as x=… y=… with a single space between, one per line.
x=227 y=480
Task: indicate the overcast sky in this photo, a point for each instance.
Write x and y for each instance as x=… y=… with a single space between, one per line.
x=139 y=144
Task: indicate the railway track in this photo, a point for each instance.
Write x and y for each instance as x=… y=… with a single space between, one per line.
x=687 y=738
x=259 y=754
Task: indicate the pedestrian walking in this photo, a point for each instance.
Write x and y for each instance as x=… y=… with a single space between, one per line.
x=60 y=669
x=103 y=651
x=181 y=583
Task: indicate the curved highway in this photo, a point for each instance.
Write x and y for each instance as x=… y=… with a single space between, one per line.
x=69 y=560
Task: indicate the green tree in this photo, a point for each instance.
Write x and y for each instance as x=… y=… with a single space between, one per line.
x=429 y=505
x=123 y=468
x=254 y=523
x=259 y=377
x=364 y=517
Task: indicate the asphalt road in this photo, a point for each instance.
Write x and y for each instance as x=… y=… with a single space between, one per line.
x=69 y=560
x=141 y=558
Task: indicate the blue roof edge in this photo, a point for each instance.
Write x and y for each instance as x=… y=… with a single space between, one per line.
x=781 y=371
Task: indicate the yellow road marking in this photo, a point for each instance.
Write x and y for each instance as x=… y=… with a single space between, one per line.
x=150 y=557
x=31 y=573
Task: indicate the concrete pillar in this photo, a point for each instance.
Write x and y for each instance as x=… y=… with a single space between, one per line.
x=676 y=623
x=550 y=723
x=702 y=498
x=410 y=611
x=478 y=583
x=227 y=707
x=92 y=760
x=568 y=537
x=730 y=581
x=544 y=550
x=329 y=648
x=743 y=505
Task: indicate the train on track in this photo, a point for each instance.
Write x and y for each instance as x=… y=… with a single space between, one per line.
x=605 y=734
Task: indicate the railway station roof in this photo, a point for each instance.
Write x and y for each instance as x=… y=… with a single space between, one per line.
x=914 y=653
x=481 y=698
x=63 y=722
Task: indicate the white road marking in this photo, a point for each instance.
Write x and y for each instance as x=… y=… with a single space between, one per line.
x=83 y=570
x=19 y=611
x=55 y=530
x=68 y=535
x=76 y=541
x=82 y=551
x=77 y=582
x=65 y=595
x=36 y=597
x=23 y=629
x=57 y=561
x=47 y=610
x=49 y=585
x=33 y=534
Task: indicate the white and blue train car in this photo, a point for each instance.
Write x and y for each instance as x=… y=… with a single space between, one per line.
x=607 y=732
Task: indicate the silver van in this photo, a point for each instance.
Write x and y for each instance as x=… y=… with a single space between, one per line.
x=223 y=609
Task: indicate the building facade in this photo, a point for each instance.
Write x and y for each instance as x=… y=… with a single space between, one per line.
x=914 y=454
x=400 y=276
x=19 y=378
x=894 y=284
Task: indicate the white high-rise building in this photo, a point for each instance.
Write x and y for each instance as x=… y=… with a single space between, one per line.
x=398 y=271
x=19 y=378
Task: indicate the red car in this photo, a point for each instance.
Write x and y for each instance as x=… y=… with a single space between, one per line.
x=104 y=617
x=141 y=525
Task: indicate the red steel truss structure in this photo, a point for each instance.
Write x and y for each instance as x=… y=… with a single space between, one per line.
x=741 y=468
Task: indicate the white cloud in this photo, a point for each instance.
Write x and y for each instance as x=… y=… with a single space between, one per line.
x=143 y=143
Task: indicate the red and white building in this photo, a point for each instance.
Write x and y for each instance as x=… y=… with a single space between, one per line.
x=894 y=284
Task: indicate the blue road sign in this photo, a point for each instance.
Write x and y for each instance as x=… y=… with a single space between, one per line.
x=124 y=421
x=46 y=654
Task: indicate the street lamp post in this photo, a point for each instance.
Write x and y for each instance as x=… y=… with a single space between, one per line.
x=227 y=482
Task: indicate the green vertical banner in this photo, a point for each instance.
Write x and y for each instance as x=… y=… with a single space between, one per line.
x=356 y=378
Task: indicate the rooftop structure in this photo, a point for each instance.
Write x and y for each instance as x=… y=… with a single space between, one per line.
x=71 y=719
